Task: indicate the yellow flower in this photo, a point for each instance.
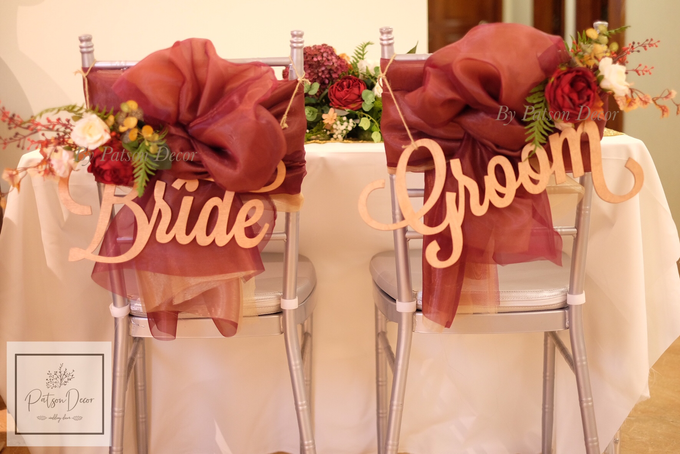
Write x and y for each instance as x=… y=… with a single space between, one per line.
x=588 y=60
x=147 y=131
x=591 y=33
x=599 y=51
x=132 y=105
x=130 y=122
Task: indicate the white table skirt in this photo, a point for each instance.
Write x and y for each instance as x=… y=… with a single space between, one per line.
x=465 y=394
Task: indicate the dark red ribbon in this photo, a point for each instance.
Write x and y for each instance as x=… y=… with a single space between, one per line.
x=458 y=97
x=226 y=117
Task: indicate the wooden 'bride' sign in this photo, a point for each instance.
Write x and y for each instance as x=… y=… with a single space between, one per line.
x=249 y=214
x=497 y=194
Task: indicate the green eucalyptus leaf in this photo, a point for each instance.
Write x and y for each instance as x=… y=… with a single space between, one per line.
x=376 y=136
x=366 y=106
x=365 y=123
x=412 y=51
x=313 y=89
x=311 y=113
x=368 y=96
x=306 y=87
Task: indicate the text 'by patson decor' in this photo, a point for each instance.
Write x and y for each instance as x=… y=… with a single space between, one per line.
x=497 y=194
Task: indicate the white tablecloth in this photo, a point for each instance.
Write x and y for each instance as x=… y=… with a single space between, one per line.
x=466 y=394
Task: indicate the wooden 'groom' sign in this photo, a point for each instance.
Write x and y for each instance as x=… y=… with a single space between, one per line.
x=501 y=196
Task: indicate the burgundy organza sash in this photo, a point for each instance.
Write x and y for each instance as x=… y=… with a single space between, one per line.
x=454 y=98
x=226 y=116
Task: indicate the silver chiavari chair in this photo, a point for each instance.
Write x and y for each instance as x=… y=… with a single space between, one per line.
x=549 y=303
x=287 y=276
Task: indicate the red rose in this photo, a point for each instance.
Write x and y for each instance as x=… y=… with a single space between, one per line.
x=112 y=165
x=572 y=95
x=346 y=93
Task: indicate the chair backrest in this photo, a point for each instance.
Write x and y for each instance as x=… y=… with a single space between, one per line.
x=296 y=57
x=109 y=71
x=578 y=230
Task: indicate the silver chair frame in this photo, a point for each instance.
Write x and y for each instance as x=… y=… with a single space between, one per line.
x=130 y=359
x=390 y=406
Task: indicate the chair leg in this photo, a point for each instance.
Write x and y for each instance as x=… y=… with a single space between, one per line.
x=307 y=355
x=548 y=394
x=404 y=338
x=614 y=446
x=119 y=383
x=140 y=398
x=585 y=394
x=381 y=380
x=290 y=334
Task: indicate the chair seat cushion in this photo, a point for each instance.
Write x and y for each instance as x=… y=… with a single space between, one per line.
x=531 y=286
x=268 y=287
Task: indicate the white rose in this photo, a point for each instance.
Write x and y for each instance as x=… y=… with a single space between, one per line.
x=378 y=89
x=367 y=66
x=90 y=132
x=614 y=77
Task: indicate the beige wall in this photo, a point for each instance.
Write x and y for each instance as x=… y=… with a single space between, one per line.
x=39 y=38
x=38 y=46
x=518 y=11
x=658 y=19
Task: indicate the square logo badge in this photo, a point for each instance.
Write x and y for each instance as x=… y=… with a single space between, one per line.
x=58 y=393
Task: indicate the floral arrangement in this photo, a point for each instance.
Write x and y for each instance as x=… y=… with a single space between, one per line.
x=575 y=90
x=343 y=97
x=122 y=150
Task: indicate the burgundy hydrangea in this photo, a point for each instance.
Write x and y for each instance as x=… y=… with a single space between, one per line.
x=322 y=65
